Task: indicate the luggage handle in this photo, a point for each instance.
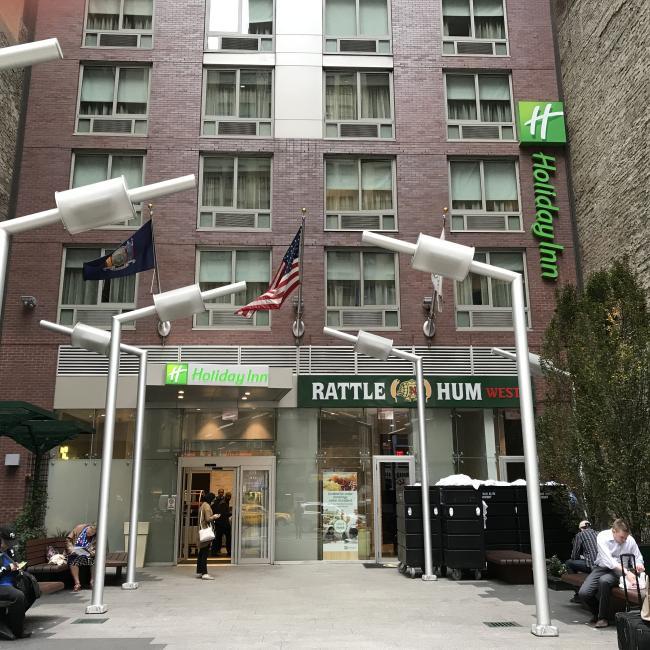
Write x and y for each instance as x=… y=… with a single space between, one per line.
x=628 y=605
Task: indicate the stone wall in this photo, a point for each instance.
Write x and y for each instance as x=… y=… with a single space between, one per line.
x=604 y=57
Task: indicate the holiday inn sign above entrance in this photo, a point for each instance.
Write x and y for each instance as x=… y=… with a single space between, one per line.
x=399 y=392
x=207 y=374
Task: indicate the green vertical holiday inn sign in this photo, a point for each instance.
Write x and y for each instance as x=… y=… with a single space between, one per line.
x=542 y=123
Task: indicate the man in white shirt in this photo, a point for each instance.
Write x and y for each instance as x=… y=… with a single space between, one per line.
x=596 y=589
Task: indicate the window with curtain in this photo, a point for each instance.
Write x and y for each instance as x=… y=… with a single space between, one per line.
x=241 y=16
x=379 y=279
x=474 y=18
x=341 y=96
x=362 y=95
x=356 y=279
x=354 y=183
x=489 y=185
x=133 y=91
x=218 y=268
x=375 y=95
x=255 y=94
x=456 y=18
x=221 y=93
x=104 y=15
x=98 y=91
x=489 y=19
x=461 y=97
x=494 y=97
x=349 y=18
x=252 y=177
x=253 y=100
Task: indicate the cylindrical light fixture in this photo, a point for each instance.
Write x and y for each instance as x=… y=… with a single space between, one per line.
x=19 y=56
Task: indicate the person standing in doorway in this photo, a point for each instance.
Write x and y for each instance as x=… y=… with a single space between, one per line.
x=206 y=517
x=218 y=532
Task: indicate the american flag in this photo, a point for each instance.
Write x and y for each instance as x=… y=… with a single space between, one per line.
x=284 y=282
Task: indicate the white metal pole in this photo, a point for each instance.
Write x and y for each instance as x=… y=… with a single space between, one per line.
x=543 y=626
x=97 y=605
x=137 y=473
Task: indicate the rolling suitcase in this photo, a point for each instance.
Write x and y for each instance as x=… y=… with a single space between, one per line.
x=632 y=631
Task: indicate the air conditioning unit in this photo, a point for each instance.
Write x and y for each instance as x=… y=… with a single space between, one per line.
x=234 y=220
x=118 y=40
x=240 y=43
x=357 y=45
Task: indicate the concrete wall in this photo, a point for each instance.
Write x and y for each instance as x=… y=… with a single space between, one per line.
x=604 y=62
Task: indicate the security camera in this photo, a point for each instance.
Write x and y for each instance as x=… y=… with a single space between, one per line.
x=28 y=301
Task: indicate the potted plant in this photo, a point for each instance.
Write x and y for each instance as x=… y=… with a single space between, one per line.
x=555 y=569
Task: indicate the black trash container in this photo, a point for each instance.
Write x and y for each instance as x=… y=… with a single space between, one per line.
x=463 y=534
x=501 y=520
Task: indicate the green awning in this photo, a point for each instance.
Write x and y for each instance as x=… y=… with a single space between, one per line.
x=35 y=428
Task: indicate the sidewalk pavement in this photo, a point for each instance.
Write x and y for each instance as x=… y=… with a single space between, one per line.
x=304 y=606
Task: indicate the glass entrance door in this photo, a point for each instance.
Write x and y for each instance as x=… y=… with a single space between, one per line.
x=255 y=515
x=389 y=473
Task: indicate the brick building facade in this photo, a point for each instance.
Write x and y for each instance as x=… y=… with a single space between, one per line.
x=521 y=57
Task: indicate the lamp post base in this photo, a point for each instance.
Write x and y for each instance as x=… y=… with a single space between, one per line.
x=544 y=630
x=130 y=585
x=96 y=609
x=429 y=578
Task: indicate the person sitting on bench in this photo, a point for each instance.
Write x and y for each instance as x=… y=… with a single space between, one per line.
x=596 y=589
x=80 y=543
x=8 y=592
x=583 y=555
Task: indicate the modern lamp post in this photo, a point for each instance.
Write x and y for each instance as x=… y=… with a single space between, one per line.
x=168 y=306
x=20 y=56
x=455 y=261
x=534 y=360
x=381 y=348
x=84 y=208
x=96 y=340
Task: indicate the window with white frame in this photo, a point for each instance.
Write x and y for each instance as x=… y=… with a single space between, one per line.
x=91 y=167
x=362 y=289
x=113 y=100
x=359 y=194
x=479 y=107
x=235 y=193
x=119 y=23
x=486 y=303
x=216 y=268
x=239 y=25
x=358 y=104
x=474 y=27
x=484 y=195
x=357 y=26
x=93 y=302
x=237 y=102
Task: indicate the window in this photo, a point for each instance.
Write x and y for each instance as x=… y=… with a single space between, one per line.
x=113 y=100
x=358 y=105
x=479 y=106
x=359 y=194
x=235 y=193
x=486 y=303
x=90 y=301
x=90 y=168
x=474 y=27
x=119 y=23
x=484 y=195
x=240 y=25
x=237 y=102
x=357 y=26
x=217 y=268
x=362 y=289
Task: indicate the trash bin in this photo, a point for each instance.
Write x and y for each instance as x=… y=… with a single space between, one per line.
x=501 y=521
x=141 y=541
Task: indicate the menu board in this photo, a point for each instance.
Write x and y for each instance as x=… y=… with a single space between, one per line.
x=340 y=534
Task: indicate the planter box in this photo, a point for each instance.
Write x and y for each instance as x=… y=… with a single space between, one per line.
x=557 y=584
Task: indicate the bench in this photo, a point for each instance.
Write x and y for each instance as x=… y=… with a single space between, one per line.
x=44 y=572
x=617 y=601
x=513 y=567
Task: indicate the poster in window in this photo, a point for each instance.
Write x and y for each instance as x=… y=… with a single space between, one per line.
x=340 y=516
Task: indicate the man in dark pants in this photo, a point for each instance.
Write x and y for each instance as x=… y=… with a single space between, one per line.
x=596 y=589
x=8 y=592
x=583 y=555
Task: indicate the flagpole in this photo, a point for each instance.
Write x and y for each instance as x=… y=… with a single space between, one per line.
x=164 y=327
x=429 y=327
x=298 y=327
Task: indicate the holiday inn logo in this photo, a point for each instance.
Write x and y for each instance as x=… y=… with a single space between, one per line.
x=541 y=123
x=176 y=373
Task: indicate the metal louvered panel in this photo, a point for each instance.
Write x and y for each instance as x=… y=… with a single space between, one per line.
x=486 y=222
x=276 y=357
x=101 y=318
x=465 y=47
x=357 y=46
x=228 y=319
x=392 y=366
x=169 y=354
x=237 y=128
x=492 y=318
x=359 y=130
x=112 y=126
x=230 y=43
x=234 y=220
x=211 y=354
x=78 y=362
x=118 y=40
x=486 y=363
x=482 y=132
x=360 y=222
x=353 y=318
x=328 y=360
x=446 y=360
